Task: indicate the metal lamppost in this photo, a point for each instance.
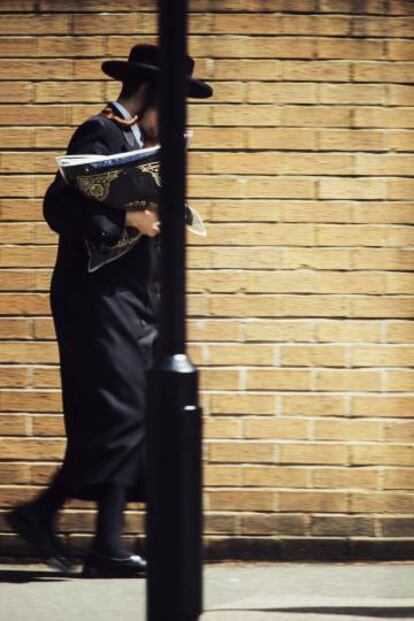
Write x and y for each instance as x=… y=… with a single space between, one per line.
x=174 y=510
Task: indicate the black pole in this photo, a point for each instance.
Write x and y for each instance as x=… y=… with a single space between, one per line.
x=174 y=419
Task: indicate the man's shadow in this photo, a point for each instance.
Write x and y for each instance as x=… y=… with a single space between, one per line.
x=394 y=612
x=33 y=575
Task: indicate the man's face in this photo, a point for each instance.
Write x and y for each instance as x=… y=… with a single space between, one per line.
x=149 y=121
x=149 y=125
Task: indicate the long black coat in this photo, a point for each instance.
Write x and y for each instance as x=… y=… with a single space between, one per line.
x=106 y=325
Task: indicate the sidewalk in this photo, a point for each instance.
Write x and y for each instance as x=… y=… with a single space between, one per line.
x=233 y=591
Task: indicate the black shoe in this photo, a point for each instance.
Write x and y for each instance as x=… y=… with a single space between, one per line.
x=100 y=566
x=26 y=522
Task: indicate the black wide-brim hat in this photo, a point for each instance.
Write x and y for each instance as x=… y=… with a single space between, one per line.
x=143 y=61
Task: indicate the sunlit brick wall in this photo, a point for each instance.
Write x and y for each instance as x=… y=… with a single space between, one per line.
x=300 y=298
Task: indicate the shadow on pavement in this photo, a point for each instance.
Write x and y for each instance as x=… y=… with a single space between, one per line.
x=32 y=575
x=396 y=612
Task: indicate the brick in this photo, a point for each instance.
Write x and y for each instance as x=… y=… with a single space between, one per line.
x=44 y=425
x=342 y=526
x=278 y=379
x=13 y=425
x=243 y=403
x=16 y=92
x=241 y=354
x=384 y=117
x=213 y=330
x=316 y=24
x=223 y=281
x=397 y=431
x=382 y=502
x=380 y=212
x=314 y=405
x=15 y=329
x=44 y=138
x=35 y=352
x=348 y=331
x=400 y=95
x=226 y=69
x=368 y=164
x=314 y=453
x=274 y=476
x=383 y=72
x=400 y=332
x=278 y=330
x=401 y=380
x=222 y=476
x=397 y=527
x=352 y=94
x=348 y=379
x=310 y=305
x=281 y=138
x=24 y=304
x=393 y=306
x=341 y=48
x=398 y=478
x=399 y=236
x=34 y=24
x=383 y=259
x=43 y=328
x=75 y=91
x=343 y=6
x=30 y=400
x=225 y=427
x=309 y=501
x=316 y=70
x=353 y=188
x=316 y=116
x=313 y=282
x=331 y=477
x=219 y=379
x=31 y=449
x=261 y=524
x=316 y=258
x=26 y=256
x=275 y=428
x=386 y=455
x=312 y=355
x=240 y=500
x=352 y=140
x=245 y=257
x=384 y=405
x=14 y=473
x=382 y=356
x=243 y=306
x=243 y=114
x=251 y=452
x=351 y=235
x=244 y=23
x=17 y=5
x=348 y=430
x=400 y=140
x=71 y=46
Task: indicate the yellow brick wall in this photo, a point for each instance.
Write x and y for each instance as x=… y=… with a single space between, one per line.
x=300 y=298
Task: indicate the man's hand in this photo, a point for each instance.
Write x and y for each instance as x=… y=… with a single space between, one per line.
x=146 y=221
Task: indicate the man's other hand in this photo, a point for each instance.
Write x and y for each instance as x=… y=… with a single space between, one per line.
x=145 y=222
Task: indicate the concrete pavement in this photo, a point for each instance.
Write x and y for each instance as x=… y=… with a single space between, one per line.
x=233 y=591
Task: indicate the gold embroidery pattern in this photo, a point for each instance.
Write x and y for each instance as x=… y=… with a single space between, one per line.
x=136 y=205
x=126 y=240
x=97 y=186
x=153 y=168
